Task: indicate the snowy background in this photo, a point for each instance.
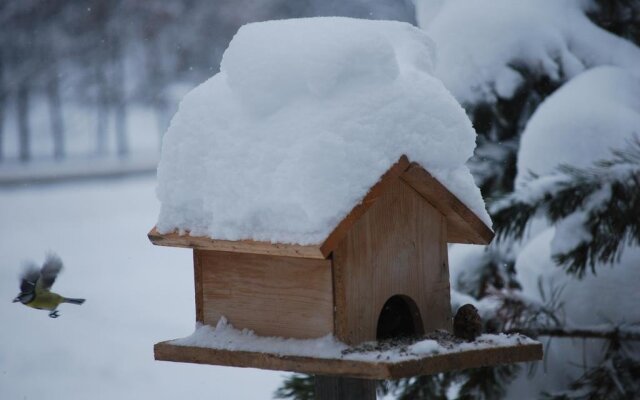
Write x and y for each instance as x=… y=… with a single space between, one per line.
x=88 y=91
x=137 y=294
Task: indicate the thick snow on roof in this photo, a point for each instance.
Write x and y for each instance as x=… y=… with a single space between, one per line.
x=482 y=43
x=303 y=119
x=581 y=122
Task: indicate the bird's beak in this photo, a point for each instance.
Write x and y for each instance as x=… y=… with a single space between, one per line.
x=17 y=299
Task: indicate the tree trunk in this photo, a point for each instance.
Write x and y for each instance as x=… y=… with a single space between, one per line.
x=55 y=114
x=122 y=142
x=102 y=108
x=24 y=133
x=339 y=388
x=3 y=104
x=119 y=98
x=163 y=119
x=156 y=85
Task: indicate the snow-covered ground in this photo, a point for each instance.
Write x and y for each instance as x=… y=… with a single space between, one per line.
x=81 y=160
x=137 y=294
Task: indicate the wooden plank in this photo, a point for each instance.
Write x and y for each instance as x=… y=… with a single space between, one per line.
x=271 y=295
x=341 y=388
x=467 y=359
x=334 y=238
x=165 y=351
x=396 y=248
x=197 y=277
x=241 y=246
x=464 y=225
x=429 y=364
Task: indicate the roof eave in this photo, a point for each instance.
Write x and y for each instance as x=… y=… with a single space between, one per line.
x=175 y=239
x=463 y=226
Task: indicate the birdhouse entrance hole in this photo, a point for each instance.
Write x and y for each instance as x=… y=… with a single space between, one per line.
x=400 y=317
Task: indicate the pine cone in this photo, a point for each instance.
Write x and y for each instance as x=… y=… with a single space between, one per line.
x=467 y=324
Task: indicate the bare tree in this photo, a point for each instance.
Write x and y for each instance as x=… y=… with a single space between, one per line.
x=52 y=91
x=3 y=100
x=24 y=130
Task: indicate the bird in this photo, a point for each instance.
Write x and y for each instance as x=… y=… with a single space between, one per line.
x=35 y=287
x=467 y=324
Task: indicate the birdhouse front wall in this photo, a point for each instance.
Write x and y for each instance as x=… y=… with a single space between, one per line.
x=398 y=247
x=271 y=295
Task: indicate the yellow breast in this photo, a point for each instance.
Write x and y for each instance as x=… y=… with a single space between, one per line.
x=46 y=300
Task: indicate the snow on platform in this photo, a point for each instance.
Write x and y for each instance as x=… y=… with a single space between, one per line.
x=435 y=352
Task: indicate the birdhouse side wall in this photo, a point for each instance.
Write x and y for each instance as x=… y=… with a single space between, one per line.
x=271 y=295
x=398 y=247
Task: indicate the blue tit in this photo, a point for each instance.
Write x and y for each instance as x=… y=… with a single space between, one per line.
x=35 y=287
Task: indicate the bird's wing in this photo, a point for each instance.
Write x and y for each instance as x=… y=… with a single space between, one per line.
x=50 y=270
x=28 y=279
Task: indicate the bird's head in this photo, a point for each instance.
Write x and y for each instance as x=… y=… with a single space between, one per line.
x=24 y=298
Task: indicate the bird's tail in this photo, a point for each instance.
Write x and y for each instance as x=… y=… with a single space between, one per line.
x=73 y=301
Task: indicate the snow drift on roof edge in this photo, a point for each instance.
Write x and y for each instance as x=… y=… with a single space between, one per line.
x=304 y=117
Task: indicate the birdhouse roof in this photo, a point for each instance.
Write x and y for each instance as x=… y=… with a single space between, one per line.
x=286 y=146
x=463 y=226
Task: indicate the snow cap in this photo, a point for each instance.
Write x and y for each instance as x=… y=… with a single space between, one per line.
x=581 y=123
x=487 y=48
x=303 y=119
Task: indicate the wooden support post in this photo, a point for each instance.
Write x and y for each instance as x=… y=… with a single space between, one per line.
x=339 y=388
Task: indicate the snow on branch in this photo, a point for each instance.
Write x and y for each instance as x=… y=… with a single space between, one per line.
x=617 y=333
x=595 y=209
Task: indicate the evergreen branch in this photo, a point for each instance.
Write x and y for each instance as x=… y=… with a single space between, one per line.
x=488 y=383
x=616 y=377
x=614 y=334
x=422 y=387
x=512 y=220
x=606 y=197
x=297 y=387
x=515 y=311
x=478 y=383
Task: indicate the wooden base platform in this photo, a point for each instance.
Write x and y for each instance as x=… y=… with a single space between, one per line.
x=426 y=365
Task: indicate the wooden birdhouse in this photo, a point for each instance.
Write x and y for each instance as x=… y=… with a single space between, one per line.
x=381 y=273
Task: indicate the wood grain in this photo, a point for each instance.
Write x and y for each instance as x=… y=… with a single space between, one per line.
x=197 y=278
x=340 y=231
x=463 y=225
x=429 y=364
x=396 y=248
x=241 y=246
x=343 y=388
x=271 y=295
